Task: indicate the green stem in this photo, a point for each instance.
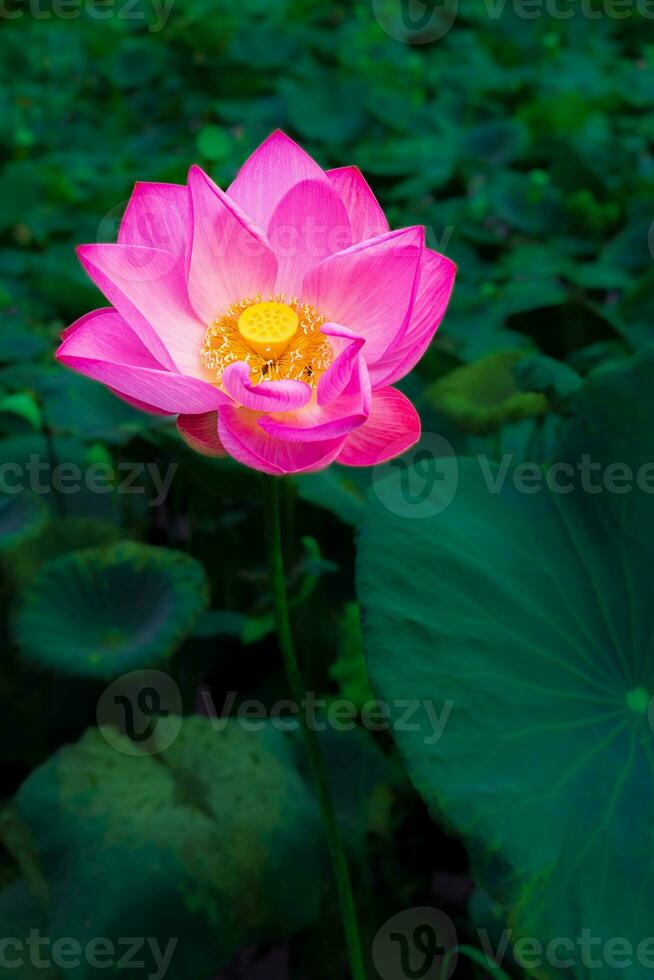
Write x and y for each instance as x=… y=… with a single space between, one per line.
x=298 y=692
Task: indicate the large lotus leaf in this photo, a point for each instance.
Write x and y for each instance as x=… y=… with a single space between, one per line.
x=20 y=913
x=529 y=612
x=104 y=611
x=22 y=516
x=339 y=489
x=210 y=842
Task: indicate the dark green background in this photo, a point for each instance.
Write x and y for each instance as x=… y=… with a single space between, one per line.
x=525 y=145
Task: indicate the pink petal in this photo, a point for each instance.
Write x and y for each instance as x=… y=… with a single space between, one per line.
x=246 y=441
x=147 y=287
x=370 y=287
x=437 y=274
x=267 y=396
x=317 y=422
x=318 y=425
x=392 y=427
x=366 y=216
x=230 y=257
x=201 y=433
x=157 y=215
x=309 y=223
x=269 y=173
x=337 y=377
x=104 y=335
x=103 y=347
x=135 y=403
x=83 y=319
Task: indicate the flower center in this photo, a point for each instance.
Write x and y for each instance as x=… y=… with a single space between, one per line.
x=268 y=327
x=278 y=340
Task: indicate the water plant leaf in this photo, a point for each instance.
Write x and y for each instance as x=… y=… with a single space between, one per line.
x=210 y=842
x=101 y=612
x=524 y=619
x=22 y=516
x=483 y=396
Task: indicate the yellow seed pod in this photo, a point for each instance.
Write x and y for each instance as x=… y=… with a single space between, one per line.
x=268 y=328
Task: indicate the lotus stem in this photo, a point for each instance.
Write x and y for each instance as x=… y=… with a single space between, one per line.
x=314 y=752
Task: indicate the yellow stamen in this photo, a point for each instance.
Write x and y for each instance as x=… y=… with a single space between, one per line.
x=300 y=354
x=268 y=327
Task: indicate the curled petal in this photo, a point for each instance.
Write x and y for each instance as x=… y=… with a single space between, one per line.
x=269 y=173
x=247 y=442
x=370 y=287
x=103 y=347
x=337 y=377
x=392 y=427
x=367 y=218
x=317 y=422
x=267 y=396
x=201 y=433
x=230 y=257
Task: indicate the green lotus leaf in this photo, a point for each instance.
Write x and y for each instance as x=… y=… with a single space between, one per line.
x=484 y=396
x=544 y=374
x=338 y=488
x=22 y=516
x=20 y=913
x=23 y=406
x=525 y=623
x=104 y=611
x=59 y=538
x=211 y=841
x=74 y=405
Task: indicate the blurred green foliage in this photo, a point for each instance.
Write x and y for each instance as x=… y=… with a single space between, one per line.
x=525 y=146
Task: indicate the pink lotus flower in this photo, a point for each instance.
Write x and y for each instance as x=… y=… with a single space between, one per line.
x=273 y=319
